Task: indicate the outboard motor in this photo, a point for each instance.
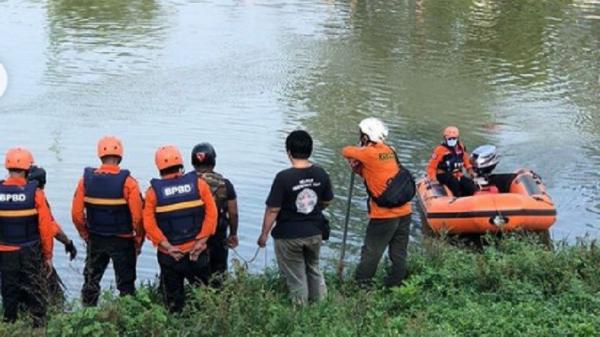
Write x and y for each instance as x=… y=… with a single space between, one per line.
x=484 y=160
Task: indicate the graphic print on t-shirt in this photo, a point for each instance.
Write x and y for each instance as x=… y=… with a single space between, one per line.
x=306 y=201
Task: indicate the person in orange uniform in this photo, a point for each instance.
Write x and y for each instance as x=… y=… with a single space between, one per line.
x=389 y=228
x=447 y=163
x=107 y=212
x=180 y=215
x=26 y=227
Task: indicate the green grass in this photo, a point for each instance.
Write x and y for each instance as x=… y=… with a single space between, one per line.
x=514 y=288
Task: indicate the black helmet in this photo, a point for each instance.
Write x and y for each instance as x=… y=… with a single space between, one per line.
x=204 y=154
x=38 y=174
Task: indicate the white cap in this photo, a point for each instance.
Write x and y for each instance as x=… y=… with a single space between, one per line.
x=374 y=129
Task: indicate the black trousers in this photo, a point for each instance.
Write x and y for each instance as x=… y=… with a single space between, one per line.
x=462 y=187
x=56 y=294
x=100 y=251
x=218 y=255
x=173 y=274
x=23 y=284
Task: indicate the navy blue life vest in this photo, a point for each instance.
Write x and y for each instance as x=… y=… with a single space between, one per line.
x=453 y=160
x=19 y=225
x=179 y=208
x=107 y=211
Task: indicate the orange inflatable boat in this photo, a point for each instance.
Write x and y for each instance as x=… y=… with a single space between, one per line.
x=520 y=203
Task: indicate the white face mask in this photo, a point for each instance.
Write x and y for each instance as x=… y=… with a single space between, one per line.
x=452 y=142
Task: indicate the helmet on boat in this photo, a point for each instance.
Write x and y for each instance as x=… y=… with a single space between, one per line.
x=374 y=129
x=484 y=159
x=451 y=132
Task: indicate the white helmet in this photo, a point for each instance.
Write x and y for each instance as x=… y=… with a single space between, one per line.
x=374 y=129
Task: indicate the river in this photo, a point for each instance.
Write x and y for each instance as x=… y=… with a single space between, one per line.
x=523 y=75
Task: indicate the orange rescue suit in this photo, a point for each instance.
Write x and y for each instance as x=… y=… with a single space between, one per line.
x=378 y=166
x=441 y=154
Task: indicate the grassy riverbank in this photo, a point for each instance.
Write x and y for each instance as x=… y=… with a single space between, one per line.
x=516 y=288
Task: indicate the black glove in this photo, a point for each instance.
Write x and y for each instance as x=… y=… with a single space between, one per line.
x=71 y=250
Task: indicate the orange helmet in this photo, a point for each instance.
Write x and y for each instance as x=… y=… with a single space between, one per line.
x=18 y=158
x=110 y=146
x=167 y=156
x=451 y=132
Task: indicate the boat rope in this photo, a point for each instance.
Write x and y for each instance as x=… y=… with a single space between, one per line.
x=247 y=263
x=266 y=260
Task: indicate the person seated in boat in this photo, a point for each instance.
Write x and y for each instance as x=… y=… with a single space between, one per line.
x=447 y=163
x=484 y=160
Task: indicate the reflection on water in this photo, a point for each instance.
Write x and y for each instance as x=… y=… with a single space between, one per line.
x=90 y=39
x=240 y=74
x=489 y=66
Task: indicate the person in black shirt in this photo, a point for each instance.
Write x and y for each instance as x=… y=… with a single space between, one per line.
x=296 y=202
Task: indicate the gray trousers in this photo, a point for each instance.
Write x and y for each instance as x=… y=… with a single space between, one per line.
x=381 y=234
x=298 y=261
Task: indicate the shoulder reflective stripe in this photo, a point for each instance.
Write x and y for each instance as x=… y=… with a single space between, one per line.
x=19 y=213
x=179 y=206
x=105 y=202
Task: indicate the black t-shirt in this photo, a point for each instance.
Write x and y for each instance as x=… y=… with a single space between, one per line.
x=231 y=195
x=300 y=194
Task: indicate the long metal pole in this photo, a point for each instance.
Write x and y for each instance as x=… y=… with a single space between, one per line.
x=340 y=269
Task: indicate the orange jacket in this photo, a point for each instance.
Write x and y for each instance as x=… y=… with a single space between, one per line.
x=47 y=225
x=131 y=193
x=209 y=226
x=438 y=155
x=56 y=228
x=378 y=166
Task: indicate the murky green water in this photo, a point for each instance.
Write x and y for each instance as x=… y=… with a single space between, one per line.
x=524 y=75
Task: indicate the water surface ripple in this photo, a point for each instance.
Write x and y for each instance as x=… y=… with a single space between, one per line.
x=523 y=75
